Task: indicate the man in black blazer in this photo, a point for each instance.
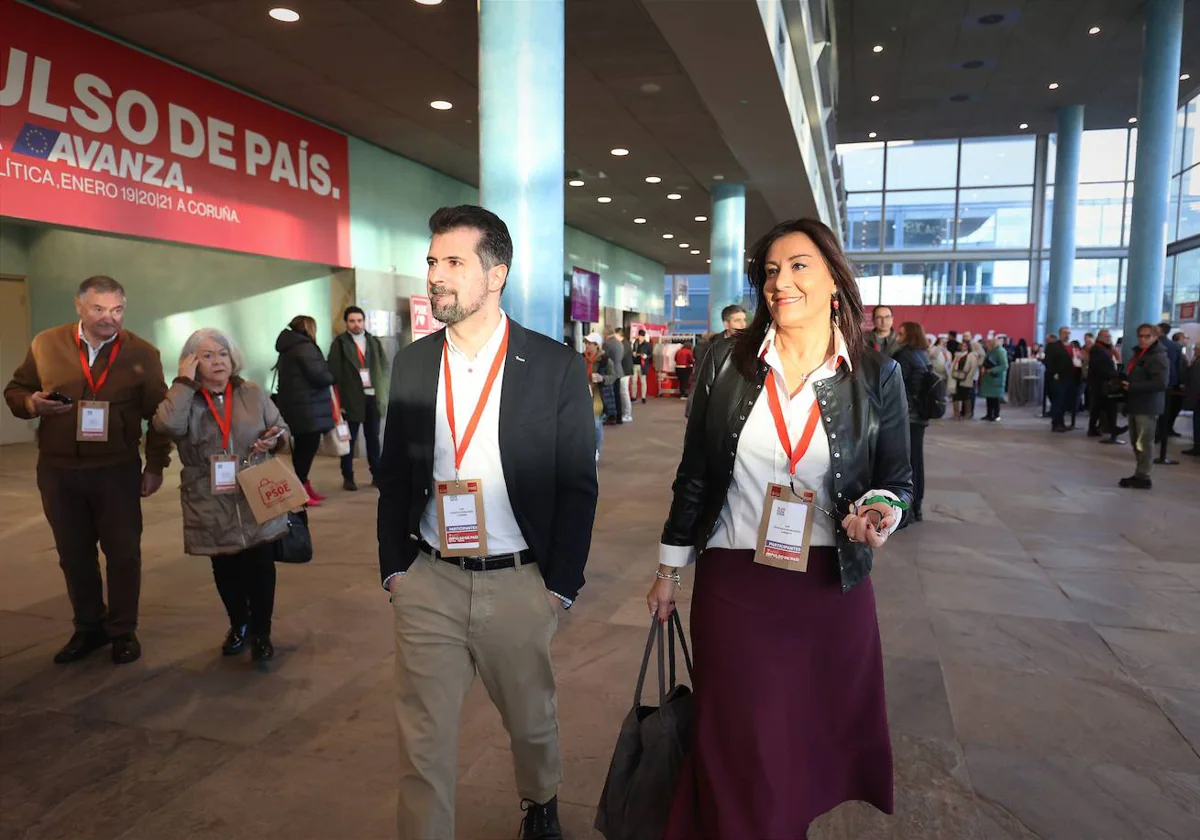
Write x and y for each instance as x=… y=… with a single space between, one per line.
x=487 y=497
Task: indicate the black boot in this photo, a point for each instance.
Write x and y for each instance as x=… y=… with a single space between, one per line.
x=125 y=649
x=261 y=648
x=82 y=643
x=541 y=821
x=235 y=641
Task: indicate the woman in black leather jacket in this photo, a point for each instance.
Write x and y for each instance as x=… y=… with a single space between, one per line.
x=914 y=361
x=791 y=719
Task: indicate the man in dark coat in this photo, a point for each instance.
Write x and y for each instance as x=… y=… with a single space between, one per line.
x=1102 y=380
x=360 y=371
x=1061 y=376
x=1174 y=399
x=1145 y=385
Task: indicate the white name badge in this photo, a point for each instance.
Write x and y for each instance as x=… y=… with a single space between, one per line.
x=786 y=528
x=223 y=474
x=93 y=421
x=460 y=520
x=365 y=375
x=343 y=431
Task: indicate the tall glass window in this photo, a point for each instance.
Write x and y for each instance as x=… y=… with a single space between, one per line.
x=864 y=212
x=1098 y=215
x=995 y=217
x=921 y=164
x=915 y=283
x=1094 y=294
x=997 y=161
x=1187 y=277
x=862 y=166
x=1189 y=203
x=919 y=220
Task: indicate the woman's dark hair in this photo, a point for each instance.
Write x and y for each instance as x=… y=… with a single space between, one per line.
x=305 y=324
x=914 y=335
x=848 y=317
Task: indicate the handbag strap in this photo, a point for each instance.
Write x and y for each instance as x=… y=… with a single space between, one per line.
x=674 y=630
x=637 y=694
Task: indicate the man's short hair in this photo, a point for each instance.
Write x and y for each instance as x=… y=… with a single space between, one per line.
x=875 y=311
x=952 y=334
x=641 y=333
x=101 y=285
x=731 y=310
x=1164 y=328
x=352 y=310
x=495 y=244
x=619 y=331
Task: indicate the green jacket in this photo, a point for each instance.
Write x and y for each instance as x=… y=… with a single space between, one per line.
x=343 y=362
x=991 y=381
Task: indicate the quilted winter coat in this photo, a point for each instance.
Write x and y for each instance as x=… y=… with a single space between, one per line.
x=217 y=524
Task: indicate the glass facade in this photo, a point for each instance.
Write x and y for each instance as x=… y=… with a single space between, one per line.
x=955 y=221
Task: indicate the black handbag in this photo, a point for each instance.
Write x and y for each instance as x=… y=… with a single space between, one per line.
x=650 y=750
x=296 y=545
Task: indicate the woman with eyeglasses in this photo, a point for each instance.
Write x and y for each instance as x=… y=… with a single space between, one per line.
x=795 y=470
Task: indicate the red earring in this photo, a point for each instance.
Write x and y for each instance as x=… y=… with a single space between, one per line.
x=836 y=304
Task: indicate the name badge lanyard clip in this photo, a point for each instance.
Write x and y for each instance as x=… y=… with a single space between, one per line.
x=794 y=455
x=460 y=449
x=87 y=369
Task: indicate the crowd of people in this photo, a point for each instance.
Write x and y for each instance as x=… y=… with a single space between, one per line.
x=804 y=452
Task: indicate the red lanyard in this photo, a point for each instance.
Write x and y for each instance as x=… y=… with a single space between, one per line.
x=1135 y=360
x=814 y=414
x=461 y=449
x=87 y=369
x=225 y=425
x=362 y=360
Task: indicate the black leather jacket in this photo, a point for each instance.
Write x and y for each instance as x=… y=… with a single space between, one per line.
x=866 y=423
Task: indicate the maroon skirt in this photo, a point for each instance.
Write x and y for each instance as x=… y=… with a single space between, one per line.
x=791 y=718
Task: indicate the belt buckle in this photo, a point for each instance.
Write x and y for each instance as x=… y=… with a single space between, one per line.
x=462 y=563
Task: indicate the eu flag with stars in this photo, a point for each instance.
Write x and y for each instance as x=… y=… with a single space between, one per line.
x=36 y=141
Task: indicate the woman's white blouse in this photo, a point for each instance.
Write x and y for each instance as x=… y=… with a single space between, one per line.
x=761 y=460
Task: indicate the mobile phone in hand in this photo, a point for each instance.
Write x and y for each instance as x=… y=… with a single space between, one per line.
x=59 y=398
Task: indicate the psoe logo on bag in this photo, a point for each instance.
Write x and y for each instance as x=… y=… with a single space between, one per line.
x=776 y=492
x=272 y=493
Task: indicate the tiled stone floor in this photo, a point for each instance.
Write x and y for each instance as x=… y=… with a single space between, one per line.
x=1042 y=631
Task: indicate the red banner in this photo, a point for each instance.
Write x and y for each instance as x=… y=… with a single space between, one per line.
x=423 y=322
x=97 y=135
x=1013 y=319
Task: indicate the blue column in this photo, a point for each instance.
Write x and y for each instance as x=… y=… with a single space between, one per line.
x=521 y=149
x=1156 y=123
x=727 y=249
x=1062 y=230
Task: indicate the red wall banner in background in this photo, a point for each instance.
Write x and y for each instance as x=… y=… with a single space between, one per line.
x=1015 y=319
x=96 y=135
x=421 y=312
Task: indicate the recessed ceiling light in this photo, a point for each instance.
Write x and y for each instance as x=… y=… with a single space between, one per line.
x=604 y=199
x=575 y=182
x=639 y=221
x=430 y=2
x=440 y=105
x=285 y=15
x=875 y=98
x=668 y=236
x=1095 y=30
x=620 y=152
x=872 y=135
x=684 y=245
x=718 y=177
x=695 y=252
x=1184 y=77
x=1054 y=86
x=877 y=48
x=702 y=218
x=709 y=262
x=653 y=179
x=674 y=196
x=1023 y=126
x=1132 y=120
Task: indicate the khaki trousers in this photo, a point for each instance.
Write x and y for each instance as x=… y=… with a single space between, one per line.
x=451 y=624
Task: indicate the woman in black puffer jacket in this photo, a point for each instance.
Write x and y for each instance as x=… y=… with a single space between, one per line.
x=304 y=397
x=913 y=360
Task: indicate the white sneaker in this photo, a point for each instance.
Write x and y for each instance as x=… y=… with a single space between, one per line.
x=627 y=419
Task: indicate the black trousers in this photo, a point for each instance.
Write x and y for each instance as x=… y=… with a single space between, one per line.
x=370 y=427
x=86 y=507
x=993 y=404
x=684 y=375
x=916 y=437
x=304 y=450
x=246 y=583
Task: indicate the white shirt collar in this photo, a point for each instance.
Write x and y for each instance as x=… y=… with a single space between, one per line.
x=100 y=346
x=488 y=350
x=768 y=352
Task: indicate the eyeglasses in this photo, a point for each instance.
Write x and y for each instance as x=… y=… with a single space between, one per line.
x=1145 y=335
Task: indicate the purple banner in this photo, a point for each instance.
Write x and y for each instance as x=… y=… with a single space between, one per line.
x=585 y=296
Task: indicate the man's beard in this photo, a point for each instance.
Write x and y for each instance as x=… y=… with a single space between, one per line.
x=454 y=313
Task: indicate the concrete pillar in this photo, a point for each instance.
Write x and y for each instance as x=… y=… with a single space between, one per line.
x=521 y=149
x=1062 y=230
x=1156 y=124
x=727 y=250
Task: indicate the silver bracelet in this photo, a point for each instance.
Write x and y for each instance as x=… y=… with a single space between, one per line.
x=674 y=578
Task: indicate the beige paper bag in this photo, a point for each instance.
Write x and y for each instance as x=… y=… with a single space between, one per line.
x=272 y=489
